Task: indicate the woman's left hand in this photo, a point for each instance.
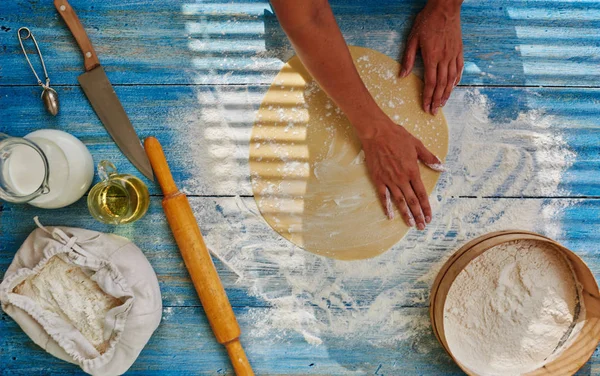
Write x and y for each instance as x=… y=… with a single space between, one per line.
x=437 y=33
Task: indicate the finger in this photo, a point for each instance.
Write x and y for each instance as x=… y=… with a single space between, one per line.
x=410 y=54
x=430 y=75
x=413 y=204
x=389 y=206
x=440 y=87
x=451 y=81
x=401 y=205
x=429 y=159
x=460 y=67
x=421 y=193
x=384 y=198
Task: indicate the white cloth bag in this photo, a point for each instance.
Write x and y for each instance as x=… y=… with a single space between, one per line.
x=118 y=267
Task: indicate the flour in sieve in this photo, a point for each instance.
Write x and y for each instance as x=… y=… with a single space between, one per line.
x=511 y=309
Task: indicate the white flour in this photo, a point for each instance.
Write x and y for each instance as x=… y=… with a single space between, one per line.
x=326 y=300
x=65 y=290
x=511 y=309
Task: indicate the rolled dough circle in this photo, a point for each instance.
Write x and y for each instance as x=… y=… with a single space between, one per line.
x=308 y=173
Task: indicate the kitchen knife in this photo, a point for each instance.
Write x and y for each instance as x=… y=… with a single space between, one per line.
x=102 y=96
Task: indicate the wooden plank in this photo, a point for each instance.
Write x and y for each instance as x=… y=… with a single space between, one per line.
x=551 y=42
x=151 y=234
x=147 y=107
x=234 y=231
x=205 y=131
x=183 y=344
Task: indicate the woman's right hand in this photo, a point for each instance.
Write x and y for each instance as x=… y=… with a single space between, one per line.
x=392 y=156
x=391 y=152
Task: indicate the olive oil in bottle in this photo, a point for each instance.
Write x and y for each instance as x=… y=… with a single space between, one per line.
x=118 y=198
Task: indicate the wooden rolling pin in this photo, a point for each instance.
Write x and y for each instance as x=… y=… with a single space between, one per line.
x=198 y=261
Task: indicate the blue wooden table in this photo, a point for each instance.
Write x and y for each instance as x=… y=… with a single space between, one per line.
x=193 y=73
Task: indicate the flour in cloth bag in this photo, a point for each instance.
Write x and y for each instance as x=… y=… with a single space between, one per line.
x=511 y=310
x=85 y=297
x=65 y=290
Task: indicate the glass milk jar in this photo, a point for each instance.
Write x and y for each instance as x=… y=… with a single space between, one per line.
x=47 y=168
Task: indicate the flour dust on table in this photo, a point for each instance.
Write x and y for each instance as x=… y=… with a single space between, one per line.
x=323 y=299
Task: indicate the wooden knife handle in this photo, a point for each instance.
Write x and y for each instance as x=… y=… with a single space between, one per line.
x=67 y=13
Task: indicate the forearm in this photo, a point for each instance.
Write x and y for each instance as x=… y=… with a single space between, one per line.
x=450 y=7
x=318 y=42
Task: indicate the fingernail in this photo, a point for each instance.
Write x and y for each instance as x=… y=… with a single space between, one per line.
x=403 y=72
x=411 y=219
x=434 y=111
x=427 y=108
x=439 y=167
x=428 y=219
x=444 y=102
x=421 y=226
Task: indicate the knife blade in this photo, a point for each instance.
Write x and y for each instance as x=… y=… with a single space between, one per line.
x=102 y=96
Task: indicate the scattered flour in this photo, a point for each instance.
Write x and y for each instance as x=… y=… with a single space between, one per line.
x=511 y=309
x=65 y=290
x=324 y=299
x=327 y=300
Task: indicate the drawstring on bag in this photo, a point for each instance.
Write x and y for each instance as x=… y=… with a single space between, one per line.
x=59 y=235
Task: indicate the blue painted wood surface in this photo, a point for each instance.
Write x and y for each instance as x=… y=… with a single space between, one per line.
x=176 y=42
x=191 y=72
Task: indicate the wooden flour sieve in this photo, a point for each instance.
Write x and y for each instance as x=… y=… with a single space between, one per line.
x=585 y=342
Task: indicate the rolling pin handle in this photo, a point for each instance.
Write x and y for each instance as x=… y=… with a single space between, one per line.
x=238 y=358
x=159 y=164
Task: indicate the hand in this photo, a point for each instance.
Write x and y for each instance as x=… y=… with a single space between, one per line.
x=436 y=32
x=392 y=155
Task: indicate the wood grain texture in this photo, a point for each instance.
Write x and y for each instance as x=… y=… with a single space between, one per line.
x=193 y=74
x=551 y=42
x=180 y=347
x=184 y=344
x=230 y=228
x=206 y=130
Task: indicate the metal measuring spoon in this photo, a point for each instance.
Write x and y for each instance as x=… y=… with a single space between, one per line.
x=49 y=95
